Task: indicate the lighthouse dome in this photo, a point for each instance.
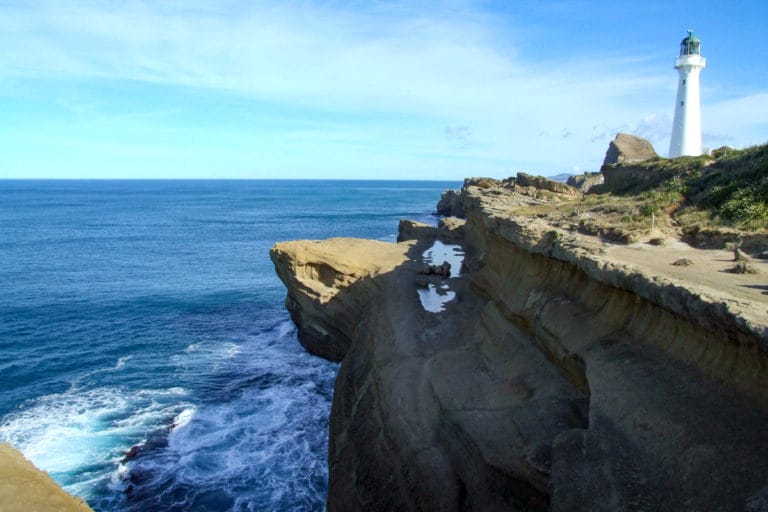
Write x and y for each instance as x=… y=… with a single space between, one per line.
x=690 y=45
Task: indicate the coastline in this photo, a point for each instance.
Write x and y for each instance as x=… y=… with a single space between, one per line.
x=566 y=375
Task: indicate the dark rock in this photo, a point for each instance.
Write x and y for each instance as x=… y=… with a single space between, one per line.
x=628 y=149
x=443 y=270
x=683 y=262
x=657 y=241
x=450 y=204
x=132 y=453
x=758 y=502
x=422 y=281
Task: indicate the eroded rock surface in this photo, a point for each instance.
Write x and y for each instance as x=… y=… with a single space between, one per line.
x=322 y=300
x=559 y=379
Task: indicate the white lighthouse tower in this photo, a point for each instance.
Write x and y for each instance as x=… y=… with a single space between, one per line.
x=686 y=129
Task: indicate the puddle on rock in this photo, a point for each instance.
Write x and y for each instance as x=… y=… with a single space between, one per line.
x=435 y=296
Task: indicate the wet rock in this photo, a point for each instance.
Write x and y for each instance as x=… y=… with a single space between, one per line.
x=134 y=452
x=443 y=270
x=422 y=281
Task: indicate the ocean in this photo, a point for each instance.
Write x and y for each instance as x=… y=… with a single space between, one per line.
x=145 y=318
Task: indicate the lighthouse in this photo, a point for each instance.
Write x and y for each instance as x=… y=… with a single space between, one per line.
x=686 y=128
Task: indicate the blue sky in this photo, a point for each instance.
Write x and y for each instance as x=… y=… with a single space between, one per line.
x=361 y=89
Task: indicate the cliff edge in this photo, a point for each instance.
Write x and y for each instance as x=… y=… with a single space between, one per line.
x=24 y=488
x=567 y=373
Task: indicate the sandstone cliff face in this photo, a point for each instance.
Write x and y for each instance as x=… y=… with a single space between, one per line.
x=557 y=380
x=320 y=275
x=24 y=488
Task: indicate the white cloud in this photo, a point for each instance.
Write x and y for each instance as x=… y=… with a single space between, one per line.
x=439 y=68
x=737 y=121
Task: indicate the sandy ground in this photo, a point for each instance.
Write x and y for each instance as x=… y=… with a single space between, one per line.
x=709 y=270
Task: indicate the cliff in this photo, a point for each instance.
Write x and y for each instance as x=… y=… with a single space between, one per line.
x=24 y=488
x=567 y=373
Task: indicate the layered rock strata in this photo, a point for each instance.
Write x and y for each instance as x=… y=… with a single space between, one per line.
x=558 y=379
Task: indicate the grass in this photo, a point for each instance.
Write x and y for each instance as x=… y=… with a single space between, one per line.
x=729 y=191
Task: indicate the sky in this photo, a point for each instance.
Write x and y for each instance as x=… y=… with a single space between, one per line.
x=311 y=89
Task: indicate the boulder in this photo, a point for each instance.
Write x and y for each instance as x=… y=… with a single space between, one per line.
x=628 y=149
x=443 y=270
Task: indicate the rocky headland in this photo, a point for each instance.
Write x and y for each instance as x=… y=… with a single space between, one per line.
x=569 y=372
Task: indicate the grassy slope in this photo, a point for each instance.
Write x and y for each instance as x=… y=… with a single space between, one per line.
x=728 y=192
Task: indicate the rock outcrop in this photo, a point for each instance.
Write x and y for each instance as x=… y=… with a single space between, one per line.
x=24 y=488
x=558 y=379
x=450 y=204
x=584 y=182
x=628 y=149
x=332 y=286
x=449 y=229
x=542 y=183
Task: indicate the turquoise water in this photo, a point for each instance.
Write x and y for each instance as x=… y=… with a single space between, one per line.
x=147 y=314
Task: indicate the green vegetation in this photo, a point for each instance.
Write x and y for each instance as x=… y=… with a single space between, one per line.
x=736 y=188
x=724 y=192
x=729 y=190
